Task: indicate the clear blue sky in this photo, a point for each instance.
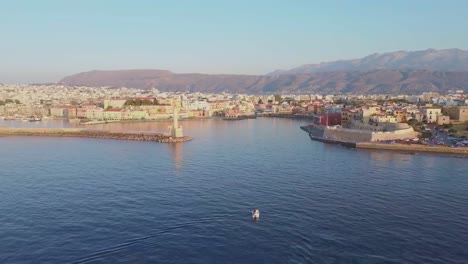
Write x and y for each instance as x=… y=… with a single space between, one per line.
x=46 y=40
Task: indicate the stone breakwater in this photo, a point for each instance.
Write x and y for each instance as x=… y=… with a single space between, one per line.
x=87 y=133
x=459 y=151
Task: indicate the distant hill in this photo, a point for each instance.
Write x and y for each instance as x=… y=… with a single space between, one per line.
x=430 y=59
x=371 y=81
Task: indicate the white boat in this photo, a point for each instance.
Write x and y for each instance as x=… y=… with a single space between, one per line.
x=34 y=119
x=255 y=214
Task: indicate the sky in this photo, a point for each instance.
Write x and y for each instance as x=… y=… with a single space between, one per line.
x=44 y=41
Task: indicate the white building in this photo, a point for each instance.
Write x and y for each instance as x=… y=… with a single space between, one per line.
x=431 y=114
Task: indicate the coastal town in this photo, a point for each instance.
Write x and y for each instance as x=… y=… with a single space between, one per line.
x=430 y=118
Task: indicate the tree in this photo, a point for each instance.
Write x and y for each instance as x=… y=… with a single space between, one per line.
x=8 y=101
x=2 y=103
x=17 y=101
x=130 y=102
x=277 y=97
x=417 y=126
x=260 y=101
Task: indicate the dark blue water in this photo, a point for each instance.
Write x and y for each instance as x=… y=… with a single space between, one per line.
x=75 y=200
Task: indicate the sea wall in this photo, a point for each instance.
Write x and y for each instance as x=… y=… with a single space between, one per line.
x=347 y=135
x=357 y=135
x=394 y=135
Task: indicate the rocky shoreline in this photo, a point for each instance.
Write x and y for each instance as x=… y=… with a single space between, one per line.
x=86 y=133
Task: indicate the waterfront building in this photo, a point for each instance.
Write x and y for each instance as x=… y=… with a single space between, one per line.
x=134 y=115
x=95 y=113
x=459 y=114
x=347 y=115
x=367 y=111
x=113 y=114
x=218 y=106
x=400 y=116
x=443 y=120
x=114 y=103
x=431 y=113
x=63 y=111
x=197 y=113
x=382 y=118
x=327 y=119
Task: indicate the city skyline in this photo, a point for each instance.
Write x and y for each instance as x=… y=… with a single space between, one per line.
x=48 y=40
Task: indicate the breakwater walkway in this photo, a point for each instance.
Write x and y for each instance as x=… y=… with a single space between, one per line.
x=91 y=133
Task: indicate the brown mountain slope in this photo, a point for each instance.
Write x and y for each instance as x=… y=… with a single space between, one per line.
x=375 y=81
x=430 y=59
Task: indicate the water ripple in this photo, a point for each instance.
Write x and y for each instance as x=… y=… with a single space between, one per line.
x=68 y=200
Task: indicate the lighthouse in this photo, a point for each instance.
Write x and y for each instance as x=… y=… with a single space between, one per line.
x=175 y=130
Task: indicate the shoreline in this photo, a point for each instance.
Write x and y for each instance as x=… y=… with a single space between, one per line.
x=87 y=133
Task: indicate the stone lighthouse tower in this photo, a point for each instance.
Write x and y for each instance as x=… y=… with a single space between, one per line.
x=175 y=130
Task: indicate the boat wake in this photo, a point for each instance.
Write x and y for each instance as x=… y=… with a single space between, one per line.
x=115 y=249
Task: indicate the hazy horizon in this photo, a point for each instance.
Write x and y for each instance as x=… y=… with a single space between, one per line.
x=48 y=40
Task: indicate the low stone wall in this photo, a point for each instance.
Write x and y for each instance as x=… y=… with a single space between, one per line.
x=394 y=135
x=315 y=131
x=347 y=135
x=86 y=133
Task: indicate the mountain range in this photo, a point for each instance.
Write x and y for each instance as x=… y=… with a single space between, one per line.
x=395 y=72
x=430 y=59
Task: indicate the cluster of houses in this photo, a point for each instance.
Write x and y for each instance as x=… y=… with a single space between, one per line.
x=134 y=108
x=371 y=112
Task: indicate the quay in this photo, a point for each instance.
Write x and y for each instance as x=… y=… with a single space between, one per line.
x=92 y=133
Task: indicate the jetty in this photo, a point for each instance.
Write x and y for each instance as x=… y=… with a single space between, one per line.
x=92 y=133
